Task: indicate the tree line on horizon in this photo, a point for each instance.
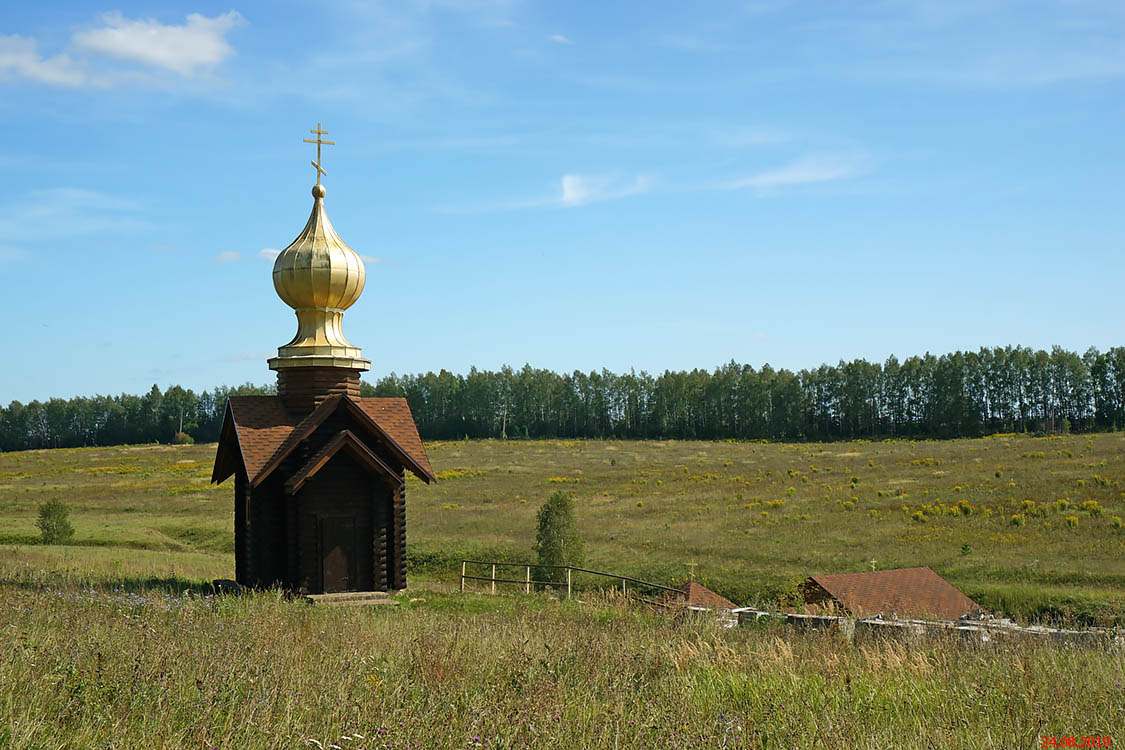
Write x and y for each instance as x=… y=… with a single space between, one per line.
x=963 y=394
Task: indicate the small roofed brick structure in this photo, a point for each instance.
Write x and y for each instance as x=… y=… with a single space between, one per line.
x=903 y=592
x=704 y=598
x=319 y=471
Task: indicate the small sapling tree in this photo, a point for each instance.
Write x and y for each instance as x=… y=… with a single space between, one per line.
x=557 y=542
x=54 y=524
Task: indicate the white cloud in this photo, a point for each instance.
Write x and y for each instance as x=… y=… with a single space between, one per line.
x=228 y=256
x=560 y=39
x=803 y=171
x=373 y=259
x=199 y=43
x=19 y=58
x=269 y=253
x=578 y=190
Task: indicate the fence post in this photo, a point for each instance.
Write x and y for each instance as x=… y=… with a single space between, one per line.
x=568 y=583
x=462 y=576
x=623 y=596
x=527 y=586
x=494 y=578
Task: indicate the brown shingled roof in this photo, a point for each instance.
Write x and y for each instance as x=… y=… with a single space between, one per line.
x=343 y=440
x=393 y=415
x=701 y=596
x=266 y=432
x=906 y=592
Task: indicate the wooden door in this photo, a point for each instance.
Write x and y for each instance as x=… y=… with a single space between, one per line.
x=338 y=553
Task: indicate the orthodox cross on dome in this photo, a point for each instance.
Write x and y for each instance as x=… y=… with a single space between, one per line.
x=318 y=132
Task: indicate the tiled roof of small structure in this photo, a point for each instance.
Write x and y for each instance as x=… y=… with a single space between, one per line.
x=701 y=596
x=264 y=427
x=904 y=591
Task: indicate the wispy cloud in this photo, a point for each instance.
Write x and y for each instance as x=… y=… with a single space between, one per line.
x=373 y=259
x=52 y=213
x=572 y=191
x=976 y=44
x=803 y=171
x=20 y=58
x=269 y=253
x=560 y=39
x=196 y=46
x=228 y=256
x=693 y=44
x=750 y=136
x=579 y=190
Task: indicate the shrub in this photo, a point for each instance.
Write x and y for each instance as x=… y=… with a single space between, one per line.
x=1093 y=507
x=1116 y=522
x=557 y=541
x=182 y=438
x=54 y=524
x=919 y=516
x=1072 y=521
x=1019 y=519
x=1062 y=504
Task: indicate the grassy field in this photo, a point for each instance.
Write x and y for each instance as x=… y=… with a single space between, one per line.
x=113 y=641
x=756 y=518
x=474 y=671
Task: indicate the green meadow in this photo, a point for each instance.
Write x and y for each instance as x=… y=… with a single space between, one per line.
x=115 y=641
x=1028 y=526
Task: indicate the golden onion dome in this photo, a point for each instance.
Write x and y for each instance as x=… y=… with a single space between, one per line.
x=318 y=269
x=319 y=276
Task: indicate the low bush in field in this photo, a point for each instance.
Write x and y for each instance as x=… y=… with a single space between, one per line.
x=54 y=522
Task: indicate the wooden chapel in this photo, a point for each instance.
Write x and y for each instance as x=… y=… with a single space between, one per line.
x=319 y=471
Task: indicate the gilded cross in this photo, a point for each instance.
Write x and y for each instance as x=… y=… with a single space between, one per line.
x=318 y=132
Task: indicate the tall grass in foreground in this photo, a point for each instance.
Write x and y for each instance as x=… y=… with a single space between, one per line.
x=97 y=668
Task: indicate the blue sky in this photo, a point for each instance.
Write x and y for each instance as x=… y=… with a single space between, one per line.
x=639 y=185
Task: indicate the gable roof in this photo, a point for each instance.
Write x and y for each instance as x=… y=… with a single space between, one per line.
x=343 y=440
x=903 y=591
x=701 y=596
x=264 y=432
